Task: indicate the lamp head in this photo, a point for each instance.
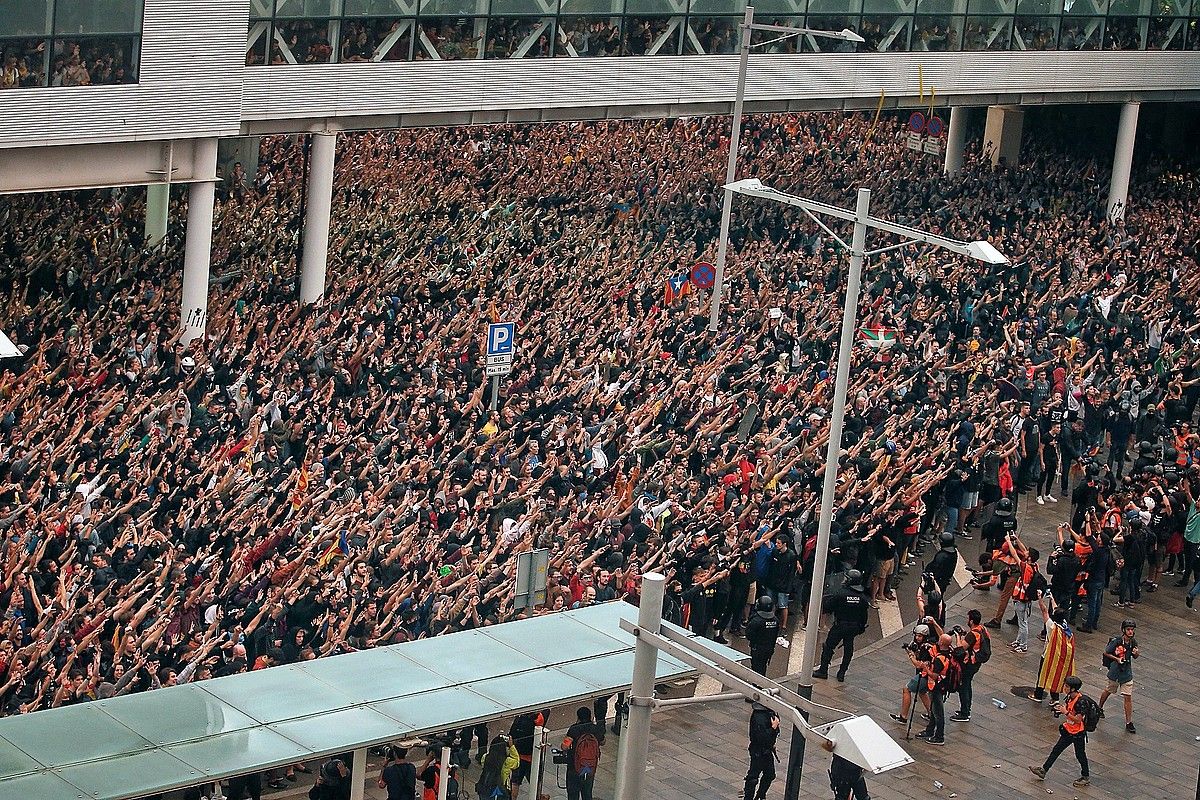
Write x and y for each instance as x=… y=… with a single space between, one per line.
x=983 y=251
x=850 y=36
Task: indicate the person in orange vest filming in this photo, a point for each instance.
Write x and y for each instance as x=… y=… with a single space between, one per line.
x=1082 y=714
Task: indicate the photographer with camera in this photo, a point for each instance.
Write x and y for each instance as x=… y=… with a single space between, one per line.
x=942 y=674
x=977 y=651
x=333 y=781
x=920 y=653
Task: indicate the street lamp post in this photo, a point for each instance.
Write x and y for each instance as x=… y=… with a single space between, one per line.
x=748 y=26
x=978 y=250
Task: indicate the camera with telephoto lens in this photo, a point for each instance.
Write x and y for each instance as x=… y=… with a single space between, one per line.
x=558 y=756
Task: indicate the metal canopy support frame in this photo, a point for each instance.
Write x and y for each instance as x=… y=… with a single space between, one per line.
x=877 y=752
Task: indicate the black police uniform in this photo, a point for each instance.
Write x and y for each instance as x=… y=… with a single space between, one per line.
x=761 y=632
x=944 y=562
x=849 y=608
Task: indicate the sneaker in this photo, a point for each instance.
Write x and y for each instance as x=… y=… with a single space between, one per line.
x=719 y=639
x=1168 y=572
x=1081 y=782
x=964 y=535
x=1052 y=498
x=923 y=735
x=820 y=673
x=1034 y=698
x=1191 y=601
x=841 y=676
x=898 y=718
x=873 y=603
x=1152 y=587
x=959 y=717
x=935 y=742
x=1040 y=501
x=1102 y=713
x=782 y=642
x=1022 y=649
x=991 y=623
x=1011 y=621
x=1119 y=604
x=925 y=717
x=1041 y=773
x=1014 y=645
x=1129 y=727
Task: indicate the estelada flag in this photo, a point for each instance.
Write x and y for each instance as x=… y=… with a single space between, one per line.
x=879 y=337
x=301 y=492
x=676 y=287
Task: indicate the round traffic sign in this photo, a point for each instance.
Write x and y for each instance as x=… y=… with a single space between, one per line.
x=704 y=275
x=916 y=122
x=934 y=126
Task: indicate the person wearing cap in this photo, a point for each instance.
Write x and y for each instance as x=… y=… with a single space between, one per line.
x=1118 y=656
x=849 y=608
x=1071 y=732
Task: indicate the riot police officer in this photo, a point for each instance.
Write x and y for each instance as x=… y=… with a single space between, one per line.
x=761 y=632
x=849 y=609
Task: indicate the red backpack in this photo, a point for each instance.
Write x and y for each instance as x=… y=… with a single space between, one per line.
x=586 y=755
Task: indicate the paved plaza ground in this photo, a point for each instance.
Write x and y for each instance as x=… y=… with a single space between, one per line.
x=699 y=751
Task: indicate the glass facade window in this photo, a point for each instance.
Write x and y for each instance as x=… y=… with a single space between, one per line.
x=1035 y=33
x=987 y=33
x=37 y=46
x=886 y=33
x=69 y=42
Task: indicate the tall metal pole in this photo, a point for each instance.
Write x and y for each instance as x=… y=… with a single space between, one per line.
x=858 y=246
x=641 y=694
x=495 y=392
x=714 y=313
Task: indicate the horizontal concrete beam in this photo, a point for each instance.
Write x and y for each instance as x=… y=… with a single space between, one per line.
x=94 y=166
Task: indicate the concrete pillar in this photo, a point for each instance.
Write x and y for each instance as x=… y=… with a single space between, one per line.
x=158 y=201
x=318 y=201
x=1118 y=188
x=198 y=245
x=956 y=137
x=1002 y=134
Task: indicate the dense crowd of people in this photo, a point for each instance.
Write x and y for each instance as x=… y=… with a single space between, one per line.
x=304 y=481
x=92 y=61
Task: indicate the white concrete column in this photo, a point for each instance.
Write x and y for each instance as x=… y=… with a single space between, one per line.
x=956 y=137
x=1118 y=188
x=158 y=200
x=318 y=201
x=358 y=775
x=198 y=246
x=1002 y=134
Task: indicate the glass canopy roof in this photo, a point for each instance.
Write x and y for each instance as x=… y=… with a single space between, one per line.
x=128 y=747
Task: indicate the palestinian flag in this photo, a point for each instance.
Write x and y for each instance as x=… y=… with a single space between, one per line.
x=879 y=337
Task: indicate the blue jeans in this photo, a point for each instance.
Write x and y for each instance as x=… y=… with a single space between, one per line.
x=1095 y=601
x=951 y=519
x=1194 y=591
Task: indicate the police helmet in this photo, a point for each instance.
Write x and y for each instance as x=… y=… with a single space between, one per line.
x=765 y=604
x=947 y=539
x=1170 y=454
x=854 y=579
x=1145 y=447
x=1068 y=546
x=1093 y=470
x=1004 y=508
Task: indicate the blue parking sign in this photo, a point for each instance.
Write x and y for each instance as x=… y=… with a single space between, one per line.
x=500 y=338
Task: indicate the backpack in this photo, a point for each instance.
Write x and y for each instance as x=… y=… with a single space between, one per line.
x=1089 y=709
x=984 y=653
x=950 y=678
x=1104 y=662
x=586 y=751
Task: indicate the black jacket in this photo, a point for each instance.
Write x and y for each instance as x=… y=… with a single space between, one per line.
x=762 y=630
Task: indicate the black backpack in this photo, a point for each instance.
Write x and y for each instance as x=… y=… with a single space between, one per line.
x=1089 y=709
